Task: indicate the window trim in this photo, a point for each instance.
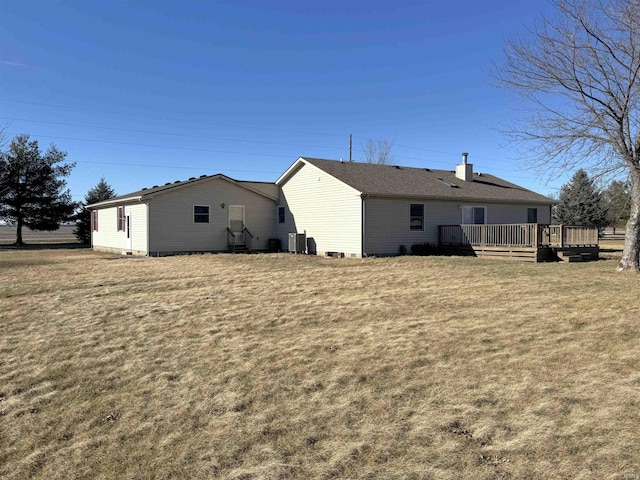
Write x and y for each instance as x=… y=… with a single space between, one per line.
x=281 y=215
x=411 y=228
x=208 y=214
x=473 y=214
x=121 y=219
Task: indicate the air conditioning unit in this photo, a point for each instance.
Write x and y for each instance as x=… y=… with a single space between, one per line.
x=297 y=242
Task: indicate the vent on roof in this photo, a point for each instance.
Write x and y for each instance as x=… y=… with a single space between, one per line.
x=177 y=181
x=155 y=186
x=144 y=188
x=168 y=183
x=192 y=178
x=448 y=184
x=398 y=167
x=202 y=176
x=427 y=169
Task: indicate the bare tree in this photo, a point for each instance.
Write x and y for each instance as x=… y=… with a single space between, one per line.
x=3 y=137
x=378 y=152
x=579 y=77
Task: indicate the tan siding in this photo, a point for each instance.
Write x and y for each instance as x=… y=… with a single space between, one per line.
x=171 y=217
x=327 y=209
x=270 y=189
x=387 y=224
x=387 y=221
x=516 y=213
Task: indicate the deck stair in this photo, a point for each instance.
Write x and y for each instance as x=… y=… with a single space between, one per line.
x=571 y=256
x=239 y=248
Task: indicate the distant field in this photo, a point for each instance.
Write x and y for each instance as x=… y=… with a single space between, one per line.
x=287 y=367
x=63 y=235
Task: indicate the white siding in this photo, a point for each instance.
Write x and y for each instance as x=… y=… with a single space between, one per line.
x=171 y=223
x=139 y=233
x=328 y=210
x=109 y=238
x=387 y=221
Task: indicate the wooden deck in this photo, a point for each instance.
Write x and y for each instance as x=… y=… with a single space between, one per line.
x=529 y=242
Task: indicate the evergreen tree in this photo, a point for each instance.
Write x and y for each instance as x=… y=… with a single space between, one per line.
x=580 y=203
x=31 y=186
x=102 y=191
x=617 y=198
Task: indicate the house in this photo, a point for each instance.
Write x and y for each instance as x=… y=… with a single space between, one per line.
x=344 y=208
x=358 y=209
x=208 y=213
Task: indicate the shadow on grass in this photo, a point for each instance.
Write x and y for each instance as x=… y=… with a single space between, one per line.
x=44 y=246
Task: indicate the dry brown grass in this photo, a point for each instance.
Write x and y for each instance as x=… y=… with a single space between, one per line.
x=32 y=237
x=277 y=366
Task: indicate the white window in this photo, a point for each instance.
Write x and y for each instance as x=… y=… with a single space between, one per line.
x=474 y=215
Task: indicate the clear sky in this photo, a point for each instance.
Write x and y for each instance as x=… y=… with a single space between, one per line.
x=147 y=92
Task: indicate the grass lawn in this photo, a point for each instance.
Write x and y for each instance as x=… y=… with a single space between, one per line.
x=284 y=366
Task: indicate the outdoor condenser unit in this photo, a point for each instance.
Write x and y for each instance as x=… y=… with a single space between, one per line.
x=297 y=242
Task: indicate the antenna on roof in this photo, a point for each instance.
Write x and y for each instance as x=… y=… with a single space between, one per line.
x=350 y=147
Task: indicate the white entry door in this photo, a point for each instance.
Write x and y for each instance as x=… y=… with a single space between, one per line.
x=236 y=222
x=128 y=229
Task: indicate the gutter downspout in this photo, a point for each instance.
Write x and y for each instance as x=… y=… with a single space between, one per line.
x=363 y=234
x=148 y=228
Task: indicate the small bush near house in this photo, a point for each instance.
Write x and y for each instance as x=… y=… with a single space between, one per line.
x=402 y=250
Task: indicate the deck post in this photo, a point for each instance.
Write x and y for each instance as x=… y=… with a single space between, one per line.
x=561 y=235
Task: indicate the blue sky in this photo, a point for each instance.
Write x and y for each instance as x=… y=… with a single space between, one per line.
x=147 y=92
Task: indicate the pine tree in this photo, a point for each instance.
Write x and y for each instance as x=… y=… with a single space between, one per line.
x=617 y=198
x=580 y=203
x=102 y=191
x=31 y=186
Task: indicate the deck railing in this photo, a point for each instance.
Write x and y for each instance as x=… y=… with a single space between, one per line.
x=563 y=235
x=517 y=235
x=248 y=238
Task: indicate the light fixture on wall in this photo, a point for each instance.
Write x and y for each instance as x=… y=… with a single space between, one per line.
x=222 y=205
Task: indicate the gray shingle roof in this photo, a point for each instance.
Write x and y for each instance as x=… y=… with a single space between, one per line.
x=409 y=182
x=166 y=187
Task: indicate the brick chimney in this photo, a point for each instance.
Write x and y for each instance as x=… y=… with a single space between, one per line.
x=464 y=170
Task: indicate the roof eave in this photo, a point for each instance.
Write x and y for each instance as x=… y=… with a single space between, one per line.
x=115 y=201
x=290 y=171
